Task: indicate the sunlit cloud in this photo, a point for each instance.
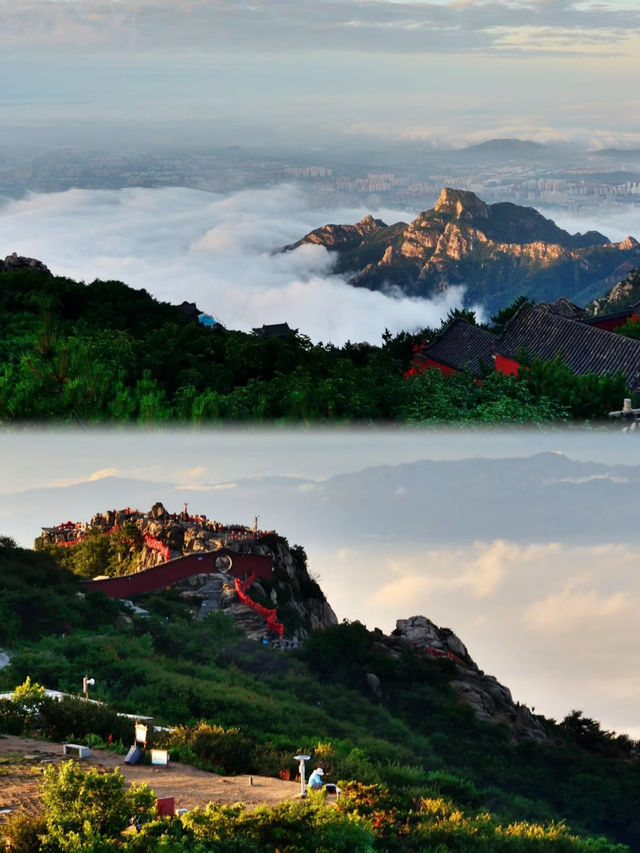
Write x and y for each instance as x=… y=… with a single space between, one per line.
x=612 y=478
x=557 y=620
x=104 y=472
x=572 y=609
x=196 y=473
x=205 y=487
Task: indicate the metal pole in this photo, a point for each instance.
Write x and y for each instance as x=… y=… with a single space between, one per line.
x=302 y=759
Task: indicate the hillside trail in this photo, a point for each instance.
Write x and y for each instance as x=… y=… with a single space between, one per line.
x=23 y=759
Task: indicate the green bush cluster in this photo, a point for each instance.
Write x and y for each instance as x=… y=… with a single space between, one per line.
x=106 y=352
x=81 y=811
x=211 y=747
x=90 y=810
x=100 y=554
x=65 y=719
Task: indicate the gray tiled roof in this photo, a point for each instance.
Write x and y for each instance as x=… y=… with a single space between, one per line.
x=584 y=348
x=274 y=330
x=462 y=346
x=564 y=308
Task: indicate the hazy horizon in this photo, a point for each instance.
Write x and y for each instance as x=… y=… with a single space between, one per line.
x=320 y=72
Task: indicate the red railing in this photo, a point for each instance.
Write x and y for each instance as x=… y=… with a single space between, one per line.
x=441 y=653
x=268 y=613
x=157 y=545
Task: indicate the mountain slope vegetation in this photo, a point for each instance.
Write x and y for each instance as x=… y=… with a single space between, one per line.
x=415 y=739
x=104 y=352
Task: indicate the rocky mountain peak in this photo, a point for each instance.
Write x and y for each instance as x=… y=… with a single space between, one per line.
x=497 y=252
x=146 y=540
x=489 y=700
x=461 y=204
x=368 y=224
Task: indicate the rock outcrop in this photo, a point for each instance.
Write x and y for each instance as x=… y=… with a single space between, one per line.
x=153 y=537
x=623 y=295
x=489 y=699
x=497 y=251
x=18 y=262
x=341 y=236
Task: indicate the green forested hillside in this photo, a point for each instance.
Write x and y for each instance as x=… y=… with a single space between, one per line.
x=104 y=352
x=262 y=706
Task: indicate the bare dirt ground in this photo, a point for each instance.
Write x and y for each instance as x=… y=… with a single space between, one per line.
x=22 y=761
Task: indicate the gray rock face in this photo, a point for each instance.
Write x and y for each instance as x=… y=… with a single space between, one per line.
x=375 y=686
x=490 y=700
x=17 y=262
x=425 y=636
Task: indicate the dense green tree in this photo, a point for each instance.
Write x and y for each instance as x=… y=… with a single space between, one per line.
x=105 y=352
x=630 y=329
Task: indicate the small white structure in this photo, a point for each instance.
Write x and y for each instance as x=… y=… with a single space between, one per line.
x=301 y=769
x=160 y=757
x=75 y=750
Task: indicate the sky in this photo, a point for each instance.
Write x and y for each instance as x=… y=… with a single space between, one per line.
x=531 y=561
x=316 y=71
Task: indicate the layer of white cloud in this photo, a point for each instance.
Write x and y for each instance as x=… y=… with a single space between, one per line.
x=217 y=251
x=616 y=223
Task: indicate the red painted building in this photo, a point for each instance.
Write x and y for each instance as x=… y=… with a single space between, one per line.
x=610 y=322
x=544 y=332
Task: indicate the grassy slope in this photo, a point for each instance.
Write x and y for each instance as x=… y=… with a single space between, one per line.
x=418 y=739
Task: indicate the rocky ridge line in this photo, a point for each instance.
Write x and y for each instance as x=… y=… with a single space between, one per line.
x=18 y=262
x=496 y=251
x=489 y=700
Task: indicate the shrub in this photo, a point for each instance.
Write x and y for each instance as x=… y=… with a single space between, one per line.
x=213 y=747
x=28 y=696
x=290 y=827
x=324 y=755
x=84 y=807
x=268 y=760
x=23 y=832
x=12 y=718
x=453 y=787
x=170 y=836
x=60 y=719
